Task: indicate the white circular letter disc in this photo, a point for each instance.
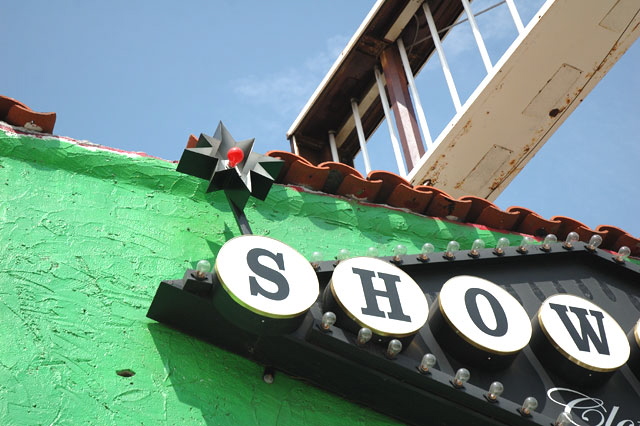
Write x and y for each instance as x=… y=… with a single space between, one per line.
x=266 y=276
x=484 y=314
x=584 y=333
x=380 y=296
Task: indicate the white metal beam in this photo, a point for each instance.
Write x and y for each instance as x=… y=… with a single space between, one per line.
x=536 y=85
x=361 y=138
x=387 y=115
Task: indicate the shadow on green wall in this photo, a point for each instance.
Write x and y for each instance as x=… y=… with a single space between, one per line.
x=229 y=390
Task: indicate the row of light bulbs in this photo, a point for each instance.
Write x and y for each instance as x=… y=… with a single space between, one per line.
x=427 y=249
x=204 y=266
x=429 y=360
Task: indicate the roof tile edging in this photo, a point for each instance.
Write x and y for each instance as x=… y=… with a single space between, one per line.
x=443 y=206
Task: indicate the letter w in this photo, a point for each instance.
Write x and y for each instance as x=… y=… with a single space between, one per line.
x=587 y=333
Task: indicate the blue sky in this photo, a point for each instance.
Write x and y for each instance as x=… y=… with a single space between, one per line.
x=142 y=75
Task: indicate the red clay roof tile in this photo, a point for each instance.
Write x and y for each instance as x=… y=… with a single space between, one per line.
x=5 y=105
x=617 y=238
x=337 y=173
x=389 y=182
x=568 y=224
x=484 y=212
x=18 y=114
x=288 y=158
x=192 y=142
x=415 y=199
x=532 y=223
x=305 y=174
x=445 y=206
x=362 y=189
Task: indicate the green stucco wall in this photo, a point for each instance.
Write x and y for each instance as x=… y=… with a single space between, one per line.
x=86 y=235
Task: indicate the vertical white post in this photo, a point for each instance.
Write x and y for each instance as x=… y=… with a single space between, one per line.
x=387 y=115
x=361 y=139
x=332 y=145
x=443 y=60
x=414 y=94
x=476 y=34
x=515 y=15
x=295 y=145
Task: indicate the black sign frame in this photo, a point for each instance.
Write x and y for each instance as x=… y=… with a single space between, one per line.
x=332 y=359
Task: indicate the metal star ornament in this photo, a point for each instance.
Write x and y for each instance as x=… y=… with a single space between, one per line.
x=231 y=166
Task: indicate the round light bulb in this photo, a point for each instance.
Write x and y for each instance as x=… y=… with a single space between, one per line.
x=524 y=244
x=343 y=254
x=393 y=348
x=202 y=269
x=235 y=156
x=316 y=258
x=268 y=377
x=564 y=419
x=427 y=362
x=501 y=244
x=529 y=404
x=594 y=242
x=372 y=252
x=451 y=247
x=623 y=253
x=461 y=377
x=548 y=240
x=495 y=390
x=477 y=245
x=364 y=335
x=328 y=319
x=427 y=249
x=399 y=251
x=572 y=237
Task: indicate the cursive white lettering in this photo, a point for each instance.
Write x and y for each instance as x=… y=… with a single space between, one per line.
x=591 y=410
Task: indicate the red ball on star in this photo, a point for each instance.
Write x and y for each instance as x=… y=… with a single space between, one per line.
x=235 y=156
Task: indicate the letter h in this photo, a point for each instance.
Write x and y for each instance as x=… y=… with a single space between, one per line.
x=391 y=293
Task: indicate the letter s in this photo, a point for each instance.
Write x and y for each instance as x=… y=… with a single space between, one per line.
x=267 y=273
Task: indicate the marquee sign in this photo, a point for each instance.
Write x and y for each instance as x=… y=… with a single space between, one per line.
x=558 y=330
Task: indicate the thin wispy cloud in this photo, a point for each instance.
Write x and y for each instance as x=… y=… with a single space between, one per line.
x=288 y=89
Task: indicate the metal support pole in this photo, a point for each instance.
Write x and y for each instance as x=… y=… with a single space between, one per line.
x=332 y=145
x=443 y=60
x=387 y=115
x=516 y=16
x=402 y=106
x=414 y=94
x=361 y=138
x=241 y=218
x=476 y=34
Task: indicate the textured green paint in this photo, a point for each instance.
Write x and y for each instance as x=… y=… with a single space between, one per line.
x=85 y=238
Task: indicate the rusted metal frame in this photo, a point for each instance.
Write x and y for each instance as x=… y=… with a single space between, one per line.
x=402 y=106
